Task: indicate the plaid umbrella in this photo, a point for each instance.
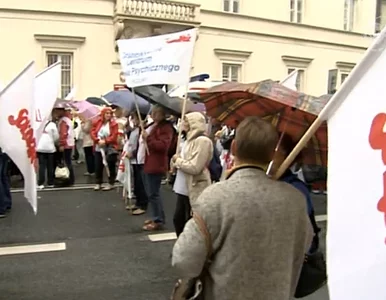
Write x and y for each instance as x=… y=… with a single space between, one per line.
x=290 y=111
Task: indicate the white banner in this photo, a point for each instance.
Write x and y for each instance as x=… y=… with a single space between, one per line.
x=356 y=249
x=17 y=136
x=47 y=86
x=162 y=59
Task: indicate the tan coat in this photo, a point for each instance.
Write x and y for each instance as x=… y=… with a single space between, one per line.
x=86 y=128
x=197 y=154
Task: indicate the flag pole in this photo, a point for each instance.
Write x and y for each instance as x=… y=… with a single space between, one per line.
x=183 y=112
x=370 y=57
x=139 y=118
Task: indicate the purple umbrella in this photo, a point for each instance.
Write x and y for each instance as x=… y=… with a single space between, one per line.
x=86 y=109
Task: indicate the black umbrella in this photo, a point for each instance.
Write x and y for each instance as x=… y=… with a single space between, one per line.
x=127 y=100
x=97 y=101
x=158 y=97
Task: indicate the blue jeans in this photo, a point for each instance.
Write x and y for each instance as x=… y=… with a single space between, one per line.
x=153 y=186
x=5 y=189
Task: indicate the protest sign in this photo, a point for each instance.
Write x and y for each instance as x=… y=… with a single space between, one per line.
x=163 y=59
x=356 y=249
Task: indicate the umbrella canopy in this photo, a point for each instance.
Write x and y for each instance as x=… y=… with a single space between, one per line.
x=290 y=111
x=85 y=109
x=194 y=89
x=97 y=101
x=173 y=104
x=126 y=100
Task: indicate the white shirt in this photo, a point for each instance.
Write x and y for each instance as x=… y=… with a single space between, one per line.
x=180 y=186
x=47 y=141
x=141 y=153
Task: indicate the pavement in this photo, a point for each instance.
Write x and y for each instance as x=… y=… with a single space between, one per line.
x=84 y=245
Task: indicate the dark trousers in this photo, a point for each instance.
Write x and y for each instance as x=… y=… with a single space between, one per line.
x=182 y=213
x=99 y=167
x=90 y=160
x=153 y=187
x=139 y=187
x=5 y=189
x=46 y=165
x=68 y=161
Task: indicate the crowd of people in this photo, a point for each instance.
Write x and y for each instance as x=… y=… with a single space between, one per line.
x=244 y=214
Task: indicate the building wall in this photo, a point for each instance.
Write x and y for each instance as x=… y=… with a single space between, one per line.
x=262 y=48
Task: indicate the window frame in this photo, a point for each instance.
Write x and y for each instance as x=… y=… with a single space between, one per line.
x=231 y=6
x=299 y=78
x=300 y=63
x=296 y=14
x=63 y=86
x=62 y=44
x=349 y=14
x=233 y=57
x=231 y=64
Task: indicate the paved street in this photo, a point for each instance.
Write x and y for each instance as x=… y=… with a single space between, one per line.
x=102 y=254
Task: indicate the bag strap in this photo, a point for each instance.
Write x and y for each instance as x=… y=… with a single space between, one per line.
x=205 y=232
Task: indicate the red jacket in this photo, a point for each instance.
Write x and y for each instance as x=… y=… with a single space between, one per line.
x=158 y=142
x=112 y=139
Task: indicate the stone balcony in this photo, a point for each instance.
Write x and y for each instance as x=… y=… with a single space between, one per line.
x=158 y=11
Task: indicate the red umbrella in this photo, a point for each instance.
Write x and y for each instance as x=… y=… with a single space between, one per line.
x=290 y=111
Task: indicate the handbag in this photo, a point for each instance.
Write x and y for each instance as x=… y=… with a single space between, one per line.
x=62 y=172
x=313 y=275
x=192 y=289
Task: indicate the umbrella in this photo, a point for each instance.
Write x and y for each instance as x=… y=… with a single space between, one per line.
x=173 y=104
x=86 y=109
x=194 y=89
x=126 y=100
x=290 y=111
x=97 y=101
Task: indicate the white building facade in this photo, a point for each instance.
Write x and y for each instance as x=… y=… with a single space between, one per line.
x=239 y=40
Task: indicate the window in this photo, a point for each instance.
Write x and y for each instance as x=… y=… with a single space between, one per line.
x=292 y=63
x=67 y=68
x=349 y=14
x=231 y=72
x=343 y=77
x=380 y=17
x=296 y=11
x=299 y=78
x=231 y=6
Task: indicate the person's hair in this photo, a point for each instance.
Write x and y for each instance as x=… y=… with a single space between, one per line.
x=287 y=144
x=255 y=141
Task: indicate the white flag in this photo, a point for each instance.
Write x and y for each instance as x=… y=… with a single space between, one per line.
x=47 y=85
x=356 y=248
x=71 y=95
x=17 y=136
x=290 y=80
x=162 y=59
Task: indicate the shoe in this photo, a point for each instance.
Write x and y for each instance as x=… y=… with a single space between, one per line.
x=108 y=187
x=2 y=216
x=97 y=187
x=138 y=212
x=50 y=186
x=153 y=227
x=131 y=207
x=87 y=174
x=40 y=187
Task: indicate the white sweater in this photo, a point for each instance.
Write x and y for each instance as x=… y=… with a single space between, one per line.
x=49 y=137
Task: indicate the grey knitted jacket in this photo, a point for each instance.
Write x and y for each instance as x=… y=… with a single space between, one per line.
x=260 y=232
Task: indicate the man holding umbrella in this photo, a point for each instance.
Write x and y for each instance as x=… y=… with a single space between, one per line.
x=158 y=137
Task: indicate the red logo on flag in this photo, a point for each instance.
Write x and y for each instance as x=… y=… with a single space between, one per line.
x=377 y=140
x=27 y=133
x=181 y=39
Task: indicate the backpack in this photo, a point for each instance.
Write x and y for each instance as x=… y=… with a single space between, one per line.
x=316 y=229
x=215 y=167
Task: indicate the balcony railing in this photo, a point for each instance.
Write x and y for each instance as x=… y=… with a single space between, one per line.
x=161 y=9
